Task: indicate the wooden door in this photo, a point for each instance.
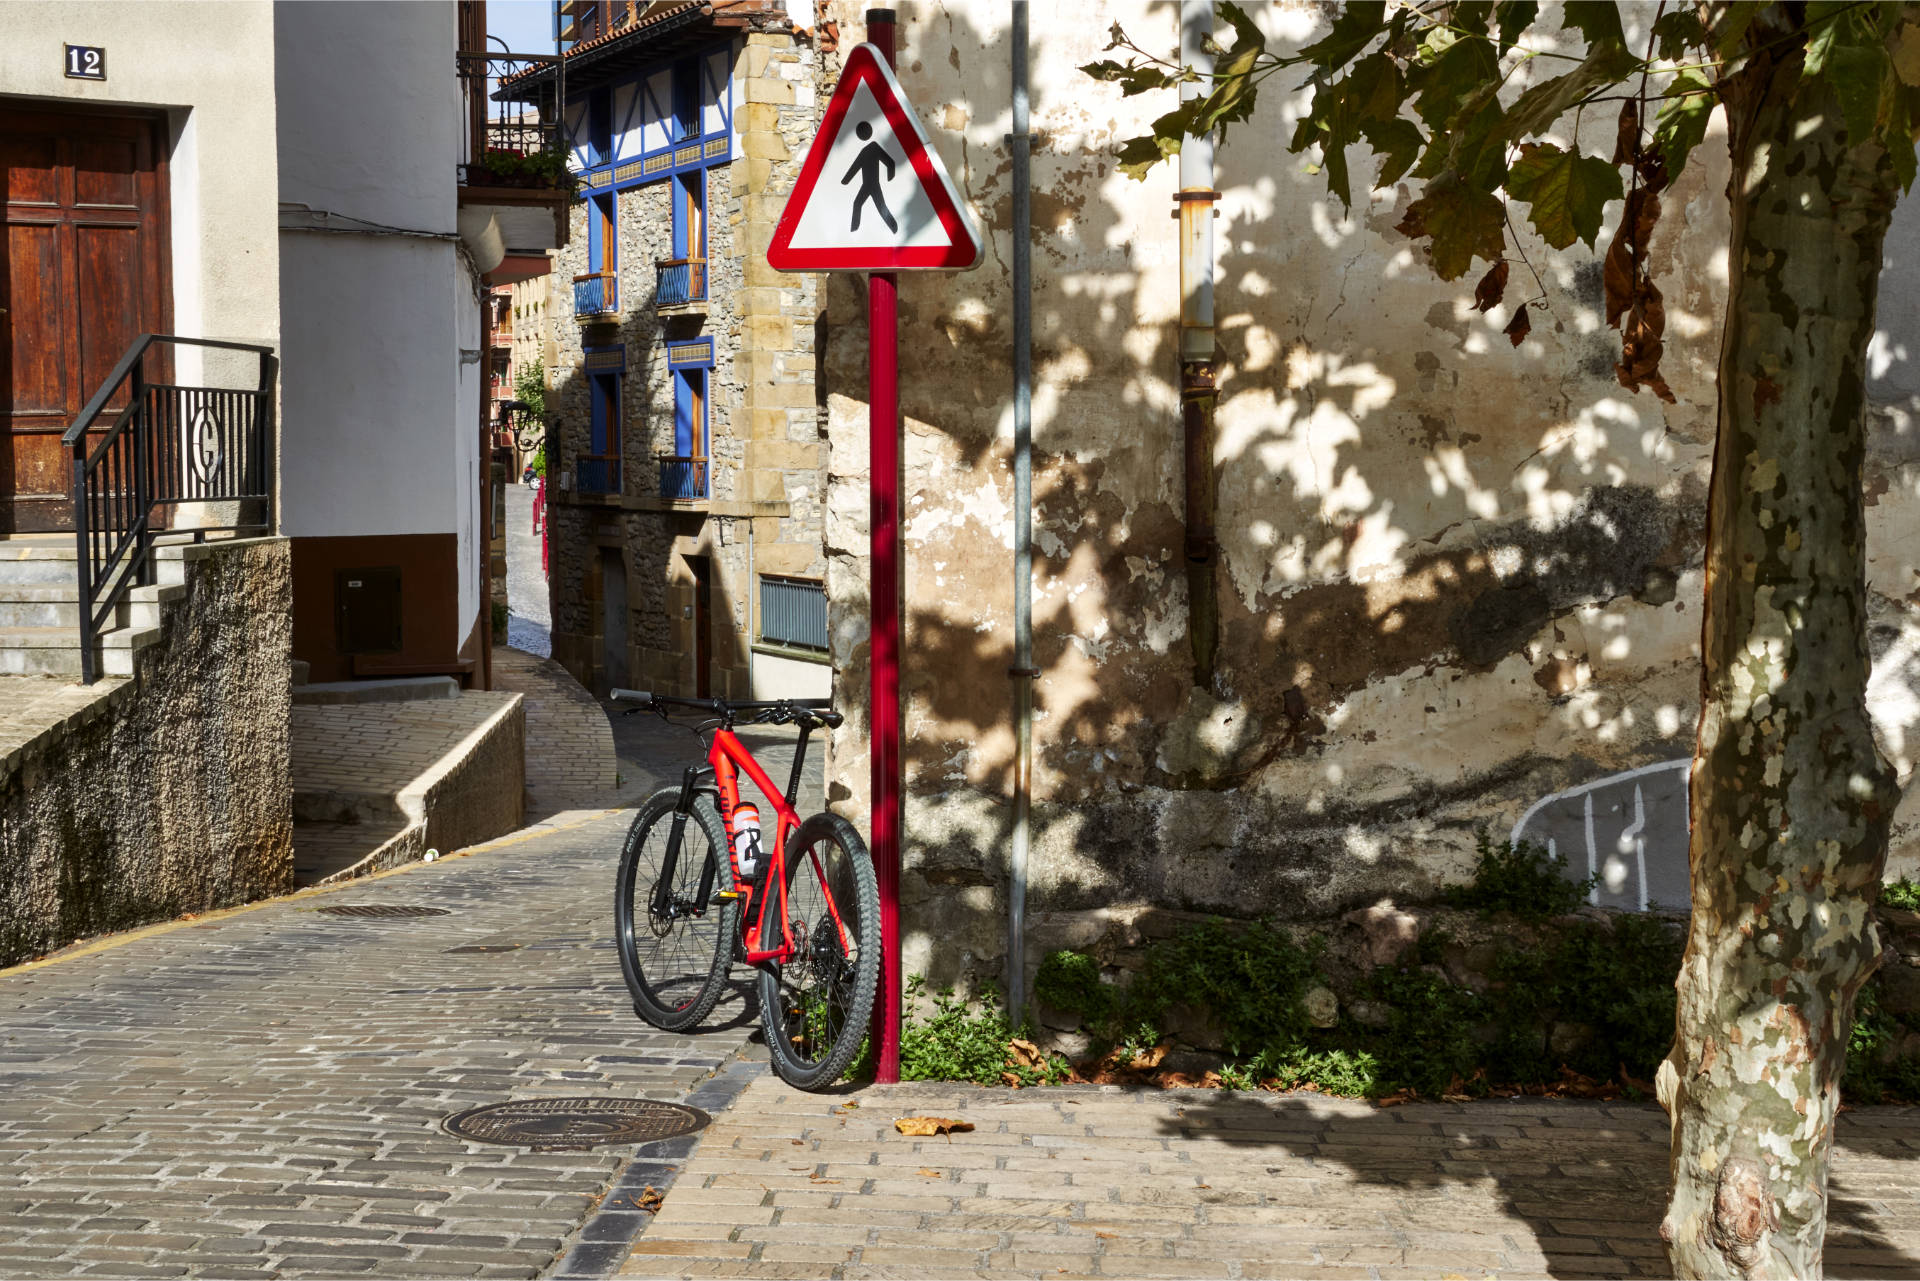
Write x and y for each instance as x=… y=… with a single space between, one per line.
x=83 y=273
x=702 y=626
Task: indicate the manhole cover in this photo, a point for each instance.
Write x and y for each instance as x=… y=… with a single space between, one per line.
x=576 y=1124
x=382 y=909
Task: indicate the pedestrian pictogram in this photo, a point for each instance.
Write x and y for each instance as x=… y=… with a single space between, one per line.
x=872 y=194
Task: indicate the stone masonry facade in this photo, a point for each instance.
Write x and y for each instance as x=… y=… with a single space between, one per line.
x=766 y=426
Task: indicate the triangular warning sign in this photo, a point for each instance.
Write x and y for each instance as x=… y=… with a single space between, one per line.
x=873 y=195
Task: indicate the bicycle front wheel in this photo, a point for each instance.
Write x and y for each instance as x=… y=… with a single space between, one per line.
x=674 y=931
x=814 y=1008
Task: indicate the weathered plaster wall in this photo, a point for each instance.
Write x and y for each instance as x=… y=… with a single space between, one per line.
x=1456 y=577
x=172 y=793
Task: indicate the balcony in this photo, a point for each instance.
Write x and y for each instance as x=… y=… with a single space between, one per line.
x=684 y=480
x=515 y=187
x=596 y=475
x=679 y=282
x=596 y=297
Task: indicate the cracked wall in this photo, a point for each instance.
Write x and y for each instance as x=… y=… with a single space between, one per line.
x=1455 y=576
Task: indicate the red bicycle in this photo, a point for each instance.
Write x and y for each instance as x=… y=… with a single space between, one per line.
x=698 y=890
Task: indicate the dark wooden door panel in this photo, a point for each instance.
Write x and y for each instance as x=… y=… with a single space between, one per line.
x=35 y=372
x=83 y=272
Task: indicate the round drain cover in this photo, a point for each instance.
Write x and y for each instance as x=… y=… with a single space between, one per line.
x=382 y=909
x=576 y=1124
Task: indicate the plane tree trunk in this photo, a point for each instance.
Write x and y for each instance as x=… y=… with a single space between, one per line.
x=1791 y=800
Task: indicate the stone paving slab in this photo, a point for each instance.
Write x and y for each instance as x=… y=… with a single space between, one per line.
x=1104 y=1182
x=261 y=1092
x=570 y=755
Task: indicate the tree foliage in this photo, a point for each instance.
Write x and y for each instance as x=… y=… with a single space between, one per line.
x=1485 y=105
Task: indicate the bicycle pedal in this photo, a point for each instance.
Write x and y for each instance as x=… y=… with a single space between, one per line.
x=728 y=896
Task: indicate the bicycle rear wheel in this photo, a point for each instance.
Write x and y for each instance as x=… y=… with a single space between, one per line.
x=814 y=1008
x=675 y=941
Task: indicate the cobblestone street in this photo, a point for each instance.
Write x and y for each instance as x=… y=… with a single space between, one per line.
x=260 y=1092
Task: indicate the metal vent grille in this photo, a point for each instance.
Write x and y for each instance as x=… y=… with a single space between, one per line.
x=793 y=611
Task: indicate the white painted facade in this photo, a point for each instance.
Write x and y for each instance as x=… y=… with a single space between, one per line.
x=206 y=65
x=381 y=303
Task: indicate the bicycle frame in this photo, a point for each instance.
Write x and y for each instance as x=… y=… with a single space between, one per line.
x=727 y=759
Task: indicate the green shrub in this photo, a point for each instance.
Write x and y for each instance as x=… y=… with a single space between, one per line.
x=962 y=1041
x=1070 y=982
x=1250 y=980
x=1903 y=894
x=1523 y=879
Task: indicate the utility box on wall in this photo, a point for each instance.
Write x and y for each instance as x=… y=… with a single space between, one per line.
x=367 y=609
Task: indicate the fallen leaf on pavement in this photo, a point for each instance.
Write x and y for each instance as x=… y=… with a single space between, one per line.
x=1108 y=1236
x=924 y=1126
x=649 y=1200
x=932 y=1174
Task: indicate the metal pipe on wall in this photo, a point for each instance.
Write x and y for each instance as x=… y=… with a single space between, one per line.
x=1022 y=671
x=1198 y=394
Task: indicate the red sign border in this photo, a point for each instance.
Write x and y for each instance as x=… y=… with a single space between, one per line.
x=864 y=64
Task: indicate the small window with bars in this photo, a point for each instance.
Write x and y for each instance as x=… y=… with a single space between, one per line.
x=793 y=612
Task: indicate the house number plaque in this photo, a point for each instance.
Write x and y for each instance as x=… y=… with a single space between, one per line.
x=85 y=62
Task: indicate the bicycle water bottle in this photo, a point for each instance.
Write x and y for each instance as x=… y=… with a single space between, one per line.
x=746 y=839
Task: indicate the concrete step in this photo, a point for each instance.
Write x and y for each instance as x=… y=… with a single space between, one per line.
x=58 y=605
x=394 y=690
x=55 y=651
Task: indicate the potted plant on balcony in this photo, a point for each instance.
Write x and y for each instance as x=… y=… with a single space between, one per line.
x=503 y=168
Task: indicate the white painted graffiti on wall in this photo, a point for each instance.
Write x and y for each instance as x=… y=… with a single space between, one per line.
x=1629 y=828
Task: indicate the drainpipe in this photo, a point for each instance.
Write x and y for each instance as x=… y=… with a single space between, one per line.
x=1023 y=671
x=1197 y=393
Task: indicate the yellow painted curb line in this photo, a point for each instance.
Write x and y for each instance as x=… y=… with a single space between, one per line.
x=75 y=951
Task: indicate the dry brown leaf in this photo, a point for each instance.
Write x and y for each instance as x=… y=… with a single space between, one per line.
x=1492 y=287
x=1626 y=145
x=1107 y=1236
x=1520 y=326
x=925 y=1126
x=649 y=1200
x=932 y=1174
x=1024 y=1054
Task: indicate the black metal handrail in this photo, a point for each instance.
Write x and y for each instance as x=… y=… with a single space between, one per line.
x=170 y=444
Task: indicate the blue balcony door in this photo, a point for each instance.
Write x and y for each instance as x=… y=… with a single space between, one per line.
x=603 y=244
x=690 y=215
x=600 y=473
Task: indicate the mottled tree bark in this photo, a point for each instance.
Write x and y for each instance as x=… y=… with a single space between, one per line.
x=1791 y=800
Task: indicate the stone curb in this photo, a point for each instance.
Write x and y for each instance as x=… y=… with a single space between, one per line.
x=604 y=1240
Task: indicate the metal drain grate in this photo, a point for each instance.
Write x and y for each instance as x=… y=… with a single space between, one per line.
x=551 y=1125
x=382 y=909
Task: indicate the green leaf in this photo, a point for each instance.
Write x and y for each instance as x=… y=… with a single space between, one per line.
x=1900 y=125
x=1905 y=46
x=1730 y=28
x=1514 y=17
x=1597 y=20
x=1461 y=222
x=1567 y=192
x=1860 y=75
x=1139 y=155
x=1359 y=22
x=1678 y=32
x=1682 y=123
x=1246 y=31
x=1456 y=70
x=1397 y=143
x=1134 y=77
x=1607 y=63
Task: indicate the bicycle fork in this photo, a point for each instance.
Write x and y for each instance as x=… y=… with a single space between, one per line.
x=663 y=902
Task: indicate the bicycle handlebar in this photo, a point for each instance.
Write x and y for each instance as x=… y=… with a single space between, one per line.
x=781 y=709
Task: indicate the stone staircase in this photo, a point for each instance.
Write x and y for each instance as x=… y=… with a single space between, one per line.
x=40 y=609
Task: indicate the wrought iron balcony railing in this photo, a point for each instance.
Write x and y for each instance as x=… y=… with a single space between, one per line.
x=596 y=294
x=171 y=459
x=507 y=144
x=679 y=281
x=597 y=475
x=684 y=479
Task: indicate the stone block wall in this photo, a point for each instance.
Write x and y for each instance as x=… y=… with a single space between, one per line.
x=171 y=792
x=766 y=423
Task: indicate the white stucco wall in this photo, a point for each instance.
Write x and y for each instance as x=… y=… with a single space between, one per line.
x=369 y=116
x=207 y=65
x=381 y=415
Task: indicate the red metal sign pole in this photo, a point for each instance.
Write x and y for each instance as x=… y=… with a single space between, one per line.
x=884 y=453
